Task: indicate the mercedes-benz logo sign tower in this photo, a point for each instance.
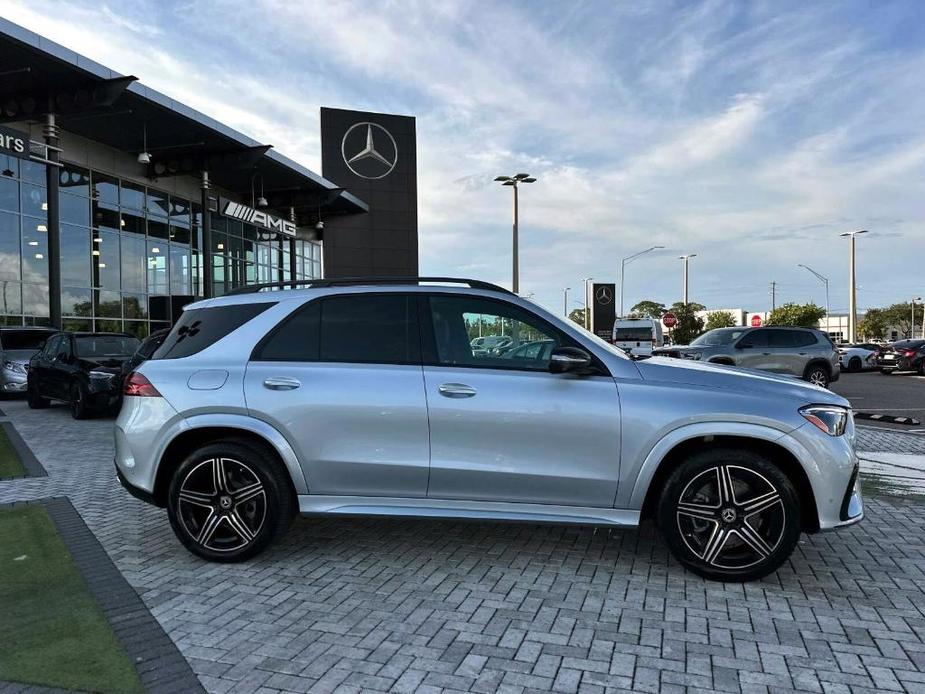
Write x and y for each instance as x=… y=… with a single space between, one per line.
x=372 y=155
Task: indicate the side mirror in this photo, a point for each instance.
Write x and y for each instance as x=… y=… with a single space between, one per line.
x=568 y=359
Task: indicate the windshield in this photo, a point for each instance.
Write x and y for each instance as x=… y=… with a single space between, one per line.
x=24 y=339
x=720 y=336
x=95 y=346
x=633 y=334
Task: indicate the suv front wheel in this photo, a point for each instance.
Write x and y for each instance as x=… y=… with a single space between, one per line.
x=230 y=500
x=817 y=374
x=729 y=515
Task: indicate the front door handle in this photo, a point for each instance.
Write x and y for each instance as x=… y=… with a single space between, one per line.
x=281 y=383
x=456 y=390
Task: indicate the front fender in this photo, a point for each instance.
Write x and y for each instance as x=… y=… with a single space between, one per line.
x=693 y=431
x=254 y=426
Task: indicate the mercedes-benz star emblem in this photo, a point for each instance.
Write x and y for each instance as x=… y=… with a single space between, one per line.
x=604 y=295
x=369 y=150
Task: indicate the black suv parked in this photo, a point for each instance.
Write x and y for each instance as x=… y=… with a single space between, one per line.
x=82 y=369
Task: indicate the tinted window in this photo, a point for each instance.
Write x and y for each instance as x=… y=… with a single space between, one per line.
x=296 y=338
x=24 y=339
x=370 y=328
x=756 y=338
x=51 y=346
x=200 y=327
x=96 y=346
x=63 y=347
x=790 y=338
x=469 y=331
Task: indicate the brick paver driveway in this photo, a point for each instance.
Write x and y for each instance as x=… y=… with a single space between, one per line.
x=421 y=606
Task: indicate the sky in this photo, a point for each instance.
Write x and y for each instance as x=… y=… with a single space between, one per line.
x=750 y=133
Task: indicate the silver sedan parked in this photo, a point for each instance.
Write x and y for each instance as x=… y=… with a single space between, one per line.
x=369 y=398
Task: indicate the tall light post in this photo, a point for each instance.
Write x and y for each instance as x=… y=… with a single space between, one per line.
x=852 y=287
x=912 y=329
x=515 y=181
x=565 y=301
x=623 y=271
x=825 y=281
x=587 y=281
x=686 y=259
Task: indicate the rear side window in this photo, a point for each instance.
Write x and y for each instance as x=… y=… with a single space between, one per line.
x=360 y=328
x=791 y=338
x=200 y=327
x=755 y=338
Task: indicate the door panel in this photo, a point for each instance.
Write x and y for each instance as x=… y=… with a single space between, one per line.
x=527 y=437
x=358 y=429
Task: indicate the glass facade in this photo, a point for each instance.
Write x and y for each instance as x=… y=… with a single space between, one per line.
x=130 y=254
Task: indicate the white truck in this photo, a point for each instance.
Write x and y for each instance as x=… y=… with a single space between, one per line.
x=637 y=336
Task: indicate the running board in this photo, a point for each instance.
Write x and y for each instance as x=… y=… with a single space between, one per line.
x=318 y=505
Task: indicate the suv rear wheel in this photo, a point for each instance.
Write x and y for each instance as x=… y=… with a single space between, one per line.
x=230 y=500
x=817 y=374
x=729 y=515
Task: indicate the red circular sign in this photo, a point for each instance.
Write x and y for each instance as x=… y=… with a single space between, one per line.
x=756 y=321
x=669 y=320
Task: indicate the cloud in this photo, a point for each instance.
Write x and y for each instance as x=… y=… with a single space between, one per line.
x=750 y=133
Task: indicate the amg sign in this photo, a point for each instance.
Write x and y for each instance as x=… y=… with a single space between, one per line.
x=264 y=220
x=15 y=143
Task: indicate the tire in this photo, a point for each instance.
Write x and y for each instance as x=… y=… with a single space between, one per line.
x=208 y=518
x=35 y=401
x=753 y=544
x=817 y=375
x=854 y=364
x=921 y=368
x=79 y=407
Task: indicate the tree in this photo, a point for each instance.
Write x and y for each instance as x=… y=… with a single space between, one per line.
x=689 y=324
x=798 y=315
x=648 y=309
x=899 y=316
x=578 y=316
x=720 y=319
x=873 y=325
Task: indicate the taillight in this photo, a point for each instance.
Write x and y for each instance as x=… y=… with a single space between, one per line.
x=910 y=353
x=139 y=386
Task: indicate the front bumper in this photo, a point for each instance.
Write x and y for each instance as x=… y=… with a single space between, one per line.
x=13 y=381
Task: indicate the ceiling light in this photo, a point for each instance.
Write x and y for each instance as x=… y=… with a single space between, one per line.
x=97 y=239
x=33 y=243
x=45 y=207
x=95 y=252
x=144 y=158
x=155 y=250
x=102 y=265
x=41 y=227
x=39 y=256
x=221 y=246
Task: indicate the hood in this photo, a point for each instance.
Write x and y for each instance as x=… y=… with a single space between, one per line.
x=706 y=375
x=21 y=356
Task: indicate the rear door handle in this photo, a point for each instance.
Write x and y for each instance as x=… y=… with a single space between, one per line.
x=456 y=390
x=281 y=383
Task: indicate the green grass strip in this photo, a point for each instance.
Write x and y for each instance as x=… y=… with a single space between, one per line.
x=51 y=631
x=10 y=465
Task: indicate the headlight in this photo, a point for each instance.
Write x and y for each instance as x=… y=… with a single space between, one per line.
x=831 y=419
x=106 y=375
x=14 y=366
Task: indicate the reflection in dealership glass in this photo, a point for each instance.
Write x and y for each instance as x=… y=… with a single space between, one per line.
x=95 y=346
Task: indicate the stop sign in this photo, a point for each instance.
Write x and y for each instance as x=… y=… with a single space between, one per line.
x=669 y=320
x=756 y=321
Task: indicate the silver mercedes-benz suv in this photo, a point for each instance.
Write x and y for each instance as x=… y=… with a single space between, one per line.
x=367 y=397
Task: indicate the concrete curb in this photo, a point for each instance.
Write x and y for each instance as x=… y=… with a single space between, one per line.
x=30 y=463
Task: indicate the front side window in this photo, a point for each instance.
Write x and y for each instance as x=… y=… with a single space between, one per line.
x=755 y=338
x=476 y=332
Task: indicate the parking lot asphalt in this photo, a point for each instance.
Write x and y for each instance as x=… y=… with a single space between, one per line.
x=428 y=606
x=871 y=392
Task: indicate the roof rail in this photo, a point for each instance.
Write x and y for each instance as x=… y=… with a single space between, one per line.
x=353 y=281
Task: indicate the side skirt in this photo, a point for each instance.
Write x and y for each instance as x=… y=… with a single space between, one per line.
x=317 y=505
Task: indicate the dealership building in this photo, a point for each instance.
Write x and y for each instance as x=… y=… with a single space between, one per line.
x=120 y=205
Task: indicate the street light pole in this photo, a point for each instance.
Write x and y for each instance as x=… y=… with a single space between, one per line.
x=587 y=281
x=912 y=329
x=623 y=272
x=515 y=181
x=825 y=281
x=565 y=302
x=686 y=259
x=852 y=286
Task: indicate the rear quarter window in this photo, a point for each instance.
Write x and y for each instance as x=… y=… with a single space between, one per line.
x=200 y=327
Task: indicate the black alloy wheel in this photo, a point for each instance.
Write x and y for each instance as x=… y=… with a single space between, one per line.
x=228 y=501
x=80 y=409
x=730 y=515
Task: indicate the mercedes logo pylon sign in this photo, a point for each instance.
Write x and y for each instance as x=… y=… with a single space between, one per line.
x=369 y=150
x=603 y=311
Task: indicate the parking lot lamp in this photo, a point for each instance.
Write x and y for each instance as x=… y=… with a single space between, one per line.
x=515 y=181
x=686 y=259
x=565 y=302
x=825 y=281
x=852 y=287
x=623 y=271
x=587 y=281
x=912 y=329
